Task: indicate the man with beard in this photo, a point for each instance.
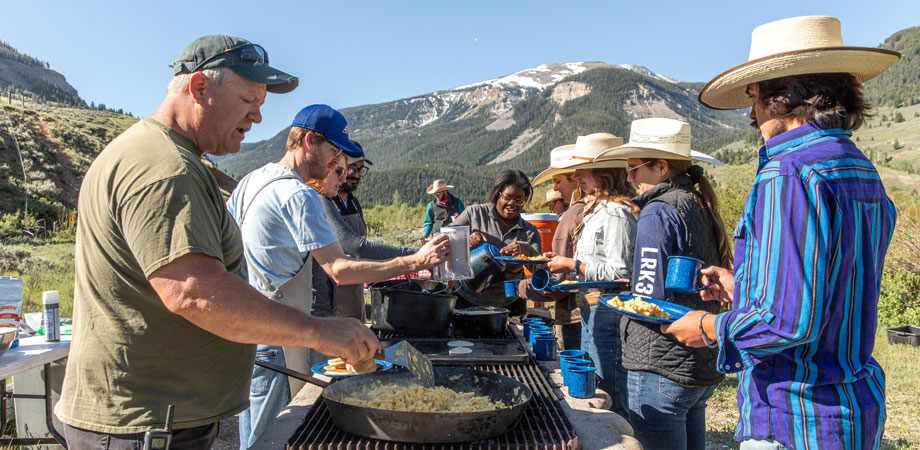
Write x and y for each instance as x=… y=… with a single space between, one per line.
x=343 y=211
x=284 y=229
x=349 y=298
x=809 y=248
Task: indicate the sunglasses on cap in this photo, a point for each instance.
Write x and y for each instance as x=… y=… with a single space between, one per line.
x=248 y=52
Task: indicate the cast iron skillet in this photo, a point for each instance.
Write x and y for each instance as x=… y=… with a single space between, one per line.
x=429 y=427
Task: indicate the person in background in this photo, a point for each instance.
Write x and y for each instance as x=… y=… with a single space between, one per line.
x=554 y=202
x=668 y=383
x=347 y=220
x=161 y=316
x=283 y=225
x=809 y=249
x=443 y=209
x=499 y=223
x=603 y=252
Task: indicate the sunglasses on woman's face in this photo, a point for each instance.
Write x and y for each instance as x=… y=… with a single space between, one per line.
x=631 y=168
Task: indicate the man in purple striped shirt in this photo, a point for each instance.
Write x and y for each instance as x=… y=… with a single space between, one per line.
x=810 y=246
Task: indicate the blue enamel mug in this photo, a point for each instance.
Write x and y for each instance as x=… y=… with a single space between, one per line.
x=534 y=334
x=544 y=281
x=529 y=328
x=544 y=347
x=684 y=274
x=511 y=288
x=582 y=381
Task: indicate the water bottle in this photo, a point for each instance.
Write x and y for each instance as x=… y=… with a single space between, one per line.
x=52 y=318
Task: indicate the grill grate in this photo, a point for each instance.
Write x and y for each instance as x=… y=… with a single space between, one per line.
x=543 y=425
x=393 y=334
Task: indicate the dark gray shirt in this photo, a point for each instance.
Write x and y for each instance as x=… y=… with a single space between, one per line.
x=353 y=244
x=482 y=218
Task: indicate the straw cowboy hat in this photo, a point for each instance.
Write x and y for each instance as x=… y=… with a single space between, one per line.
x=794 y=46
x=439 y=185
x=552 y=195
x=658 y=138
x=580 y=155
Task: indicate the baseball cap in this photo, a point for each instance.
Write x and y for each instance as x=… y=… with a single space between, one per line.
x=331 y=123
x=361 y=158
x=246 y=59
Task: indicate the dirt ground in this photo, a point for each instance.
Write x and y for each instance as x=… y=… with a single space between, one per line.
x=228 y=437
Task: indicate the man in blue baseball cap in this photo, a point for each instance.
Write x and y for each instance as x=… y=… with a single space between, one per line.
x=280 y=212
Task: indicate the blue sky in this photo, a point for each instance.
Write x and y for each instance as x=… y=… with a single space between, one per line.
x=355 y=53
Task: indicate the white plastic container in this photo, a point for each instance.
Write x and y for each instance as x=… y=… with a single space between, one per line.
x=457 y=267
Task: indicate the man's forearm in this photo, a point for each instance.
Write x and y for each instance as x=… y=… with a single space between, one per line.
x=351 y=271
x=228 y=307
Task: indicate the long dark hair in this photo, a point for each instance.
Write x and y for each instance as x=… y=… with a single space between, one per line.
x=612 y=186
x=834 y=100
x=707 y=198
x=507 y=178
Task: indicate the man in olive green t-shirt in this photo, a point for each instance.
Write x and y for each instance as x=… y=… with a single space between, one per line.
x=160 y=317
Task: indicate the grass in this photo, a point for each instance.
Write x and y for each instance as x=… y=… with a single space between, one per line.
x=902 y=402
x=49 y=267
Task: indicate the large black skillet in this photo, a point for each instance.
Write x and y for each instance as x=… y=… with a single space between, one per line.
x=418 y=427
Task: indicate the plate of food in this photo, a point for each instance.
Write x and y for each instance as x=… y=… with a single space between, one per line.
x=523 y=259
x=644 y=308
x=337 y=368
x=572 y=285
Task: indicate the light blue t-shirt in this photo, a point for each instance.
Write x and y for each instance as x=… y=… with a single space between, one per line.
x=284 y=222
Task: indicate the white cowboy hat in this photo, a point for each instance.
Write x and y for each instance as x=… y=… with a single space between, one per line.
x=580 y=155
x=794 y=46
x=439 y=185
x=658 y=138
x=552 y=195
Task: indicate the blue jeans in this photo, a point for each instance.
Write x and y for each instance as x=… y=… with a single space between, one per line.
x=761 y=444
x=269 y=393
x=665 y=414
x=571 y=336
x=600 y=338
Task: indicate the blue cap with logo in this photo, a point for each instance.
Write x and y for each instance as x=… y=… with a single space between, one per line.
x=331 y=123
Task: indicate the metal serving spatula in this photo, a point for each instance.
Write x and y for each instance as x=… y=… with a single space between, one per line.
x=404 y=354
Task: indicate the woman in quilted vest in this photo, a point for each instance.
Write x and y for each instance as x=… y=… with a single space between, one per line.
x=668 y=383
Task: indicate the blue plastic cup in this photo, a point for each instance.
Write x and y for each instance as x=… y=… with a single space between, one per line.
x=511 y=288
x=545 y=348
x=544 y=281
x=565 y=363
x=582 y=381
x=684 y=274
x=534 y=334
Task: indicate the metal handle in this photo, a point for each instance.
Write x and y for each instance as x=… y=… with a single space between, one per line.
x=292 y=373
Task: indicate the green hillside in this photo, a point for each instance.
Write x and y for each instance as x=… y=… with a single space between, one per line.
x=899 y=85
x=56 y=145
